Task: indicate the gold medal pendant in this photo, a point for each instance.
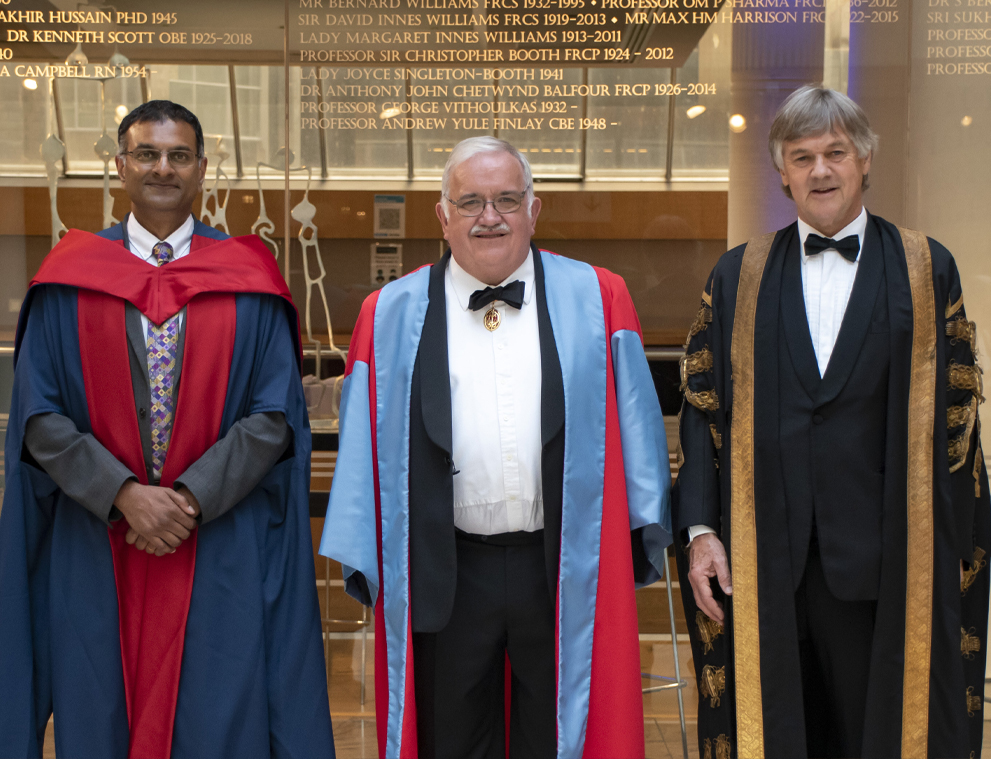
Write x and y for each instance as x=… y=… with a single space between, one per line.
x=492 y=319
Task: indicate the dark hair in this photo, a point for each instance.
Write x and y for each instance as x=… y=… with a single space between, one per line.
x=159 y=111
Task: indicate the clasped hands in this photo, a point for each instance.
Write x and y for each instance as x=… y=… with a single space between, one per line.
x=159 y=519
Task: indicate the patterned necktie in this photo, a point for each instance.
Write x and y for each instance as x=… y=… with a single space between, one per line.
x=161 y=344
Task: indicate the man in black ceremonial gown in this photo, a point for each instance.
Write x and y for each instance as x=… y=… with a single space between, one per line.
x=833 y=495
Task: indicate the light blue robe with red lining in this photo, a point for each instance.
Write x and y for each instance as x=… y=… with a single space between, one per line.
x=616 y=478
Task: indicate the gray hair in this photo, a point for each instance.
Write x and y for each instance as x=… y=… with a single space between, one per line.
x=473 y=146
x=813 y=110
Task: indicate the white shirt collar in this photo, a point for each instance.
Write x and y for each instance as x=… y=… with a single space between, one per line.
x=856 y=227
x=142 y=242
x=465 y=284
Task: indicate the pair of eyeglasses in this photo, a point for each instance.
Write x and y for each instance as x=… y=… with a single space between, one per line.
x=179 y=159
x=509 y=202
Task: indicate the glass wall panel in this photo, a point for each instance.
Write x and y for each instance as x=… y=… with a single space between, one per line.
x=205 y=90
x=628 y=113
x=261 y=117
x=359 y=113
x=26 y=118
x=543 y=118
x=460 y=104
x=702 y=108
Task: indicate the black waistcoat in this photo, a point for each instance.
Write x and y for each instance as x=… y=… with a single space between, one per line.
x=832 y=429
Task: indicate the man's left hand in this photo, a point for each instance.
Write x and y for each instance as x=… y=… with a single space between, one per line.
x=143 y=545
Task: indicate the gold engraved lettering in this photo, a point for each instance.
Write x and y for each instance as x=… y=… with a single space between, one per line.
x=976 y=565
x=702 y=320
x=713 y=683
x=970 y=644
x=723 y=748
x=705 y=400
x=709 y=630
x=974 y=701
x=919 y=574
x=717 y=439
x=963 y=377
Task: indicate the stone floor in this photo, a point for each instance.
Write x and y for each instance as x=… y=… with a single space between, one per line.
x=354 y=723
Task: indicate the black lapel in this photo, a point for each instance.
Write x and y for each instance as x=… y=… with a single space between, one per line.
x=435 y=376
x=795 y=317
x=433 y=557
x=551 y=428
x=857 y=318
x=551 y=380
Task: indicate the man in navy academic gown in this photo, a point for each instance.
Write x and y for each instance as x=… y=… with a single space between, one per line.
x=157 y=589
x=833 y=492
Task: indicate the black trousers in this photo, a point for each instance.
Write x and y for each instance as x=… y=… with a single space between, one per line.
x=501 y=607
x=834 y=640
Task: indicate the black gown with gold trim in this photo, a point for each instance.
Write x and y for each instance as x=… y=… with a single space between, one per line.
x=926 y=684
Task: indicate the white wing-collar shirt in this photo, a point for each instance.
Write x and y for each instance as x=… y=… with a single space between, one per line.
x=142 y=244
x=495 y=405
x=827 y=281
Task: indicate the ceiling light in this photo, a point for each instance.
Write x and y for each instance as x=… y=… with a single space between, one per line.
x=737 y=123
x=30 y=84
x=695 y=111
x=965 y=121
x=390 y=113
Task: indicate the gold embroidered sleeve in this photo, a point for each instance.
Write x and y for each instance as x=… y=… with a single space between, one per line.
x=953 y=306
x=963 y=377
x=697 y=380
x=704 y=400
x=964 y=386
x=961 y=330
x=702 y=321
x=695 y=363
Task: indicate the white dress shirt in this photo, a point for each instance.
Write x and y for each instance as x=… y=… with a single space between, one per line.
x=495 y=405
x=142 y=244
x=827 y=281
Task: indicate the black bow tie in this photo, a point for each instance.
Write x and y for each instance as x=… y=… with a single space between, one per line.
x=511 y=295
x=848 y=247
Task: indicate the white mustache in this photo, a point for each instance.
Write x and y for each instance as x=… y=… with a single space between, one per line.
x=480 y=228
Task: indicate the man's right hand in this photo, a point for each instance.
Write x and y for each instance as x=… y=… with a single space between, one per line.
x=707 y=559
x=160 y=516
